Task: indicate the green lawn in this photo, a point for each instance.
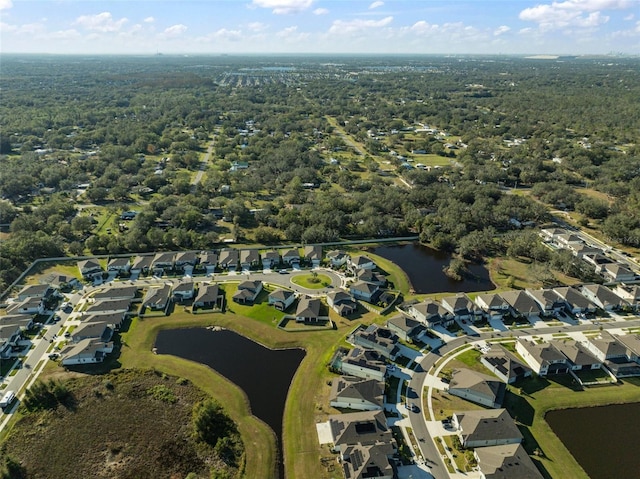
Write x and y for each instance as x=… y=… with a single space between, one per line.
x=311 y=280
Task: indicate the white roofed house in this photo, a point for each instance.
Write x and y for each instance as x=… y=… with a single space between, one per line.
x=90 y=268
x=603 y=297
x=249 y=258
x=281 y=299
x=575 y=301
x=209 y=296
x=617 y=272
x=349 y=392
x=550 y=303
x=119 y=265
x=87 y=351
x=493 y=305
x=431 y=313
x=341 y=302
x=308 y=310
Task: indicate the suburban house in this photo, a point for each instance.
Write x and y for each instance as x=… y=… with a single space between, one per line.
x=141 y=264
x=90 y=268
x=362 y=363
x=117 y=292
x=186 y=259
x=158 y=299
x=476 y=387
x=405 y=327
x=371 y=276
x=31 y=305
x=270 y=259
x=337 y=258
x=460 y=306
x=11 y=329
x=281 y=299
x=375 y=338
x=60 y=281
x=505 y=365
x=597 y=260
x=228 y=259
x=617 y=273
x=431 y=313
x=550 y=303
x=308 y=310
x=291 y=257
x=115 y=319
x=87 y=351
x=486 y=427
x=493 y=305
x=603 y=297
x=361 y=262
x=209 y=296
x=620 y=353
x=162 y=262
x=521 y=303
x=543 y=358
x=35 y=291
x=341 y=302
x=119 y=265
x=107 y=306
x=364 y=291
x=365 y=444
x=581 y=250
x=577 y=355
x=100 y=330
x=184 y=290
x=574 y=300
x=550 y=234
x=208 y=260
x=313 y=255
x=568 y=239
x=249 y=258
x=630 y=293
x=509 y=461
x=247 y=292
x=349 y=392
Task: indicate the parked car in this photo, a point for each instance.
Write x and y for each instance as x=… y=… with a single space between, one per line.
x=283 y=271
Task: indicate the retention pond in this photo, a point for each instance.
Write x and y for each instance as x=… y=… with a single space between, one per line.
x=602 y=439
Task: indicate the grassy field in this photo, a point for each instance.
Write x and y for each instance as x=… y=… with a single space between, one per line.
x=311 y=281
x=444 y=405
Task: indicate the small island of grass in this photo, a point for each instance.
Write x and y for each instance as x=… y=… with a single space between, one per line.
x=312 y=280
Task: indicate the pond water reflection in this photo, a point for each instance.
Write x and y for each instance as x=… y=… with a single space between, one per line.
x=424 y=267
x=263 y=374
x=602 y=439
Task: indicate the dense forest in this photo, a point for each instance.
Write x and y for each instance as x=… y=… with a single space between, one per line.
x=312 y=149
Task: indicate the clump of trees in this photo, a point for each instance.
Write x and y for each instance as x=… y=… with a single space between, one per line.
x=213 y=427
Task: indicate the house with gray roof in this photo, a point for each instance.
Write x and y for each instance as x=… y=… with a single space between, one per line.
x=550 y=303
x=361 y=362
x=184 y=259
x=477 y=387
x=291 y=256
x=431 y=313
x=509 y=461
x=87 y=351
x=405 y=327
x=603 y=297
x=59 y=280
x=162 y=262
x=313 y=255
x=617 y=272
x=619 y=353
x=364 y=291
x=337 y=257
x=375 y=338
x=100 y=330
x=158 y=299
x=184 y=290
x=493 y=305
x=630 y=293
x=505 y=365
x=574 y=300
x=371 y=276
x=486 y=427
x=341 y=302
x=32 y=305
x=308 y=310
x=350 y=392
x=228 y=258
x=103 y=306
x=119 y=265
x=578 y=356
x=543 y=358
x=208 y=260
x=249 y=258
x=270 y=259
x=361 y=262
x=460 y=306
x=364 y=462
x=114 y=319
x=366 y=428
x=209 y=296
x=90 y=268
x=521 y=303
x=597 y=260
x=35 y=291
x=247 y=292
x=281 y=299
x=141 y=264
x=117 y=292
x=580 y=249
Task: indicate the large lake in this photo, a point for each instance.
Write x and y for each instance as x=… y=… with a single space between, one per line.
x=604 y=440
x=263 y=374
x=424 y=267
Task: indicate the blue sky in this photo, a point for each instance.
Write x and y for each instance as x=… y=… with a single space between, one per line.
x=321 y=26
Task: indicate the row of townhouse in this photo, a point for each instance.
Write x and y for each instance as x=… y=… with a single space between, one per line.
x=619 y=354
x=608 y=268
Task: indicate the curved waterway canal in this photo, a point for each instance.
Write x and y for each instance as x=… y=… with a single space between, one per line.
x=263 y=374
x=604 y=439
x=424 y=268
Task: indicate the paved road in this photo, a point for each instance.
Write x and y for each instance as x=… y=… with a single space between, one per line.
x=425 y=363
x=203 y=164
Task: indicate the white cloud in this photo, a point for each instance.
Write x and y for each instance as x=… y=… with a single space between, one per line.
x=257 y=26
x=377 y=4
x=358 y=25
x=70 y=34
x=149 y=20
x=500 y=30
x=5 y=4
x=572 y=13
x=174 y=30
x=283 y=7
x=102 y=22
x=629 y=17
x=320 y=11
x=227 y=35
